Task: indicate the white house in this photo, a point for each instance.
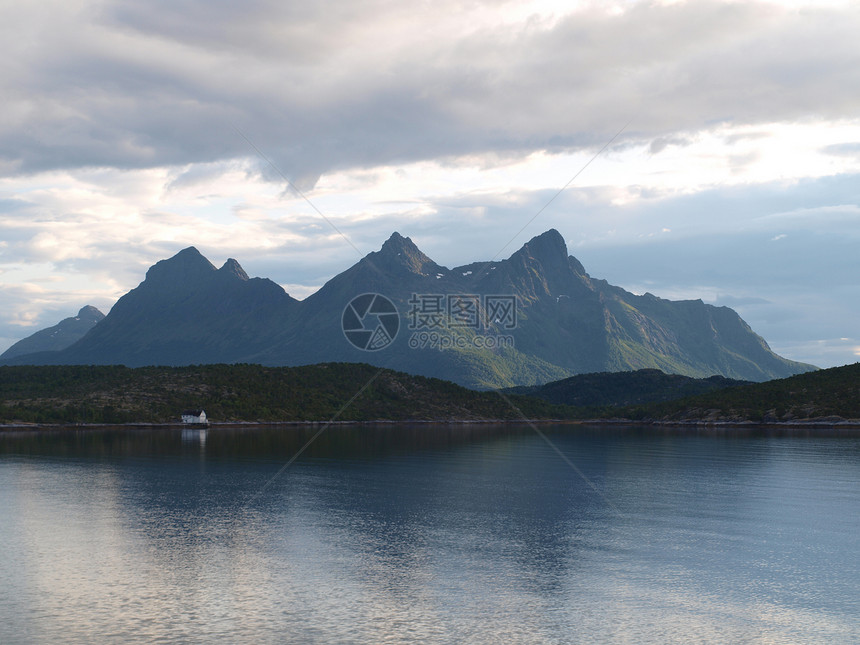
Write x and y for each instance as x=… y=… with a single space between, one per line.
x=194 y=416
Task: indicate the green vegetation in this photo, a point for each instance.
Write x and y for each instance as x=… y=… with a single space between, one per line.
x=117 y=394
x=826 y=393
x=623 y=388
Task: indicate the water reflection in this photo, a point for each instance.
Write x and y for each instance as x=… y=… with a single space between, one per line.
x=469 y=533
x=195 y=436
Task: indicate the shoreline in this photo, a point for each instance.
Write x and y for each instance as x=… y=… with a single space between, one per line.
x=819 y=423
x=252 y=424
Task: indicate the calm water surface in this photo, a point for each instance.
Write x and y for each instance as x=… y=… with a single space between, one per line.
x=433 y=534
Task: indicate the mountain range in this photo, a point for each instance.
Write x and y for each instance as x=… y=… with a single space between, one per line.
x=564 y=322
x=64 y=333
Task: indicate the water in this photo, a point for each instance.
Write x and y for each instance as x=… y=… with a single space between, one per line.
x=434 y=534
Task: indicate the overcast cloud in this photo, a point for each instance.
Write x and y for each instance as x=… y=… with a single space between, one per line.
x=734 y=180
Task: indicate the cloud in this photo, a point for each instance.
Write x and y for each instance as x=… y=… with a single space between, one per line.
x=659 y=144
x=817 y=216
x=851 y=149
x=336 y=85
x=824 y=352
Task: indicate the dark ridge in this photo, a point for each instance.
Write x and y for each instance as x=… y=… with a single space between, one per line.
x=624 y=388
x=232 y=267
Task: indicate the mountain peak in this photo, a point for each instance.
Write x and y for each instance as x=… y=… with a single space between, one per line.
x=90 y=312
x=547 y=245
x=188 y=265
x=543 y=268
x=189 y=257
x=396 y=243
x=548 y=250
x=232 y=267
x=400 y=252
x=189 y=253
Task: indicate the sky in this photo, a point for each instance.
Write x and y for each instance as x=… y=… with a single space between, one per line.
x=706 y=149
